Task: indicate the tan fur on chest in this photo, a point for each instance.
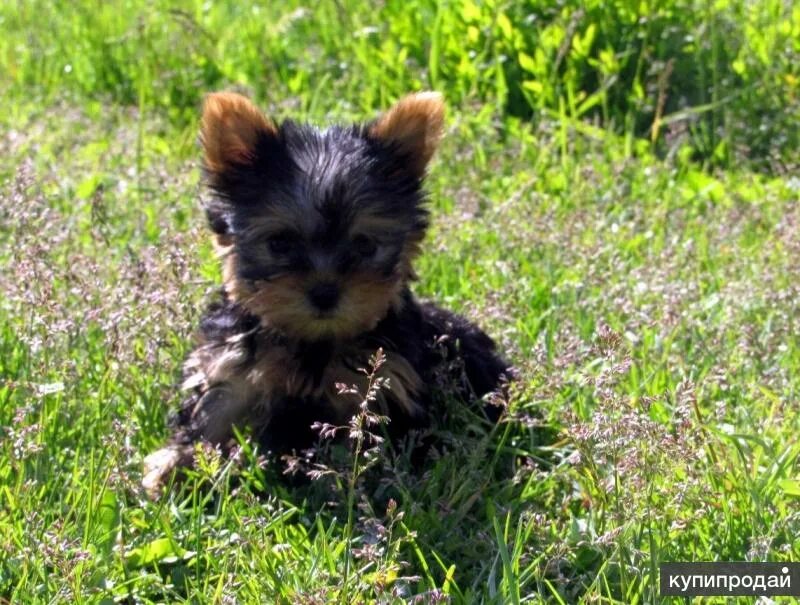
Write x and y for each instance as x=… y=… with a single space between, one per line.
x=403 y=387
x=274 y=372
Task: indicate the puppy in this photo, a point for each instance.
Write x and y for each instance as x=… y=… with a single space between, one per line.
x=317 y=231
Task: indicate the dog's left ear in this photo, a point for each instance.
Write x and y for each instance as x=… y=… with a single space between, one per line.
x=414 y=125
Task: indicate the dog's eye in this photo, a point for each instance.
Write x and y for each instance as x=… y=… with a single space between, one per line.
x=281 y=244
x=364 y=246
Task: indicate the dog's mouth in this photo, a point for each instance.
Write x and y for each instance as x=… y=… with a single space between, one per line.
x=305 y=311
x=324 y=315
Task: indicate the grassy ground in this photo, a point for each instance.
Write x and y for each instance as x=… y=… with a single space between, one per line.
x=616 y=201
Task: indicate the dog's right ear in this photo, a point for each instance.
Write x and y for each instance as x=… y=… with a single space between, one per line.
x=230 y=131
x=237 y=141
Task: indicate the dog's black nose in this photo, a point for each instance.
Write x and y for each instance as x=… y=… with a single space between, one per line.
x=324 y=296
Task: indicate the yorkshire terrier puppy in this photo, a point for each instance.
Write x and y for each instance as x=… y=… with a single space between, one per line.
x=317 y=230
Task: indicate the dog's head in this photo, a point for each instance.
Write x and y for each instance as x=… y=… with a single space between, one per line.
x=319 y=227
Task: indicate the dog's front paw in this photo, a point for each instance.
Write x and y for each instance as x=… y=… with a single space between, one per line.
x=159 y=465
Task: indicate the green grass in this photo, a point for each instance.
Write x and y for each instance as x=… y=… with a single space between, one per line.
x=616 y=201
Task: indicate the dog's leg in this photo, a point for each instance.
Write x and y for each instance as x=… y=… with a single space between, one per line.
x=484 y=370
x=206 y=418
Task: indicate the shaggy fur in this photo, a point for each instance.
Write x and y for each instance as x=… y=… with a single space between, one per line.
x=318 y=230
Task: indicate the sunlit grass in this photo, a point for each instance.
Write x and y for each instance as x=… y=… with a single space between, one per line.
x=646 y=287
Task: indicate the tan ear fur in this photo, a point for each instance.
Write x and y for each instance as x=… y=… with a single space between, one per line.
x=416 y=124
x=229 y=130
